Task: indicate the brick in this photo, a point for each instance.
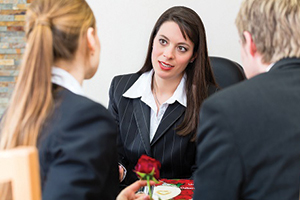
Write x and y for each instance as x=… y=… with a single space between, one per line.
x=3 y=28
x=11 y=56
x=19 y=51
x=7 y=84
x=19 y=17
x=12 y=12
x=7 y=78
x=4 y=101
x=12 y=39
x=17 y=45
x=9 y=1
x=21 y=6
x=7 y=62
x=12 y=34
x=4 y=45
x=9 y=73
x=6 y=6
x=12 y=23
x=6 y=18
x=11 y=51
x=10 y=67
x=14 y=28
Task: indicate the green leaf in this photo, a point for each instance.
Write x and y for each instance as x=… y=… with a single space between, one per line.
x=142 y=175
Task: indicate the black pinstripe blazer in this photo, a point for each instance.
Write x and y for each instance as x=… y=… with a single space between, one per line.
x=176 y=153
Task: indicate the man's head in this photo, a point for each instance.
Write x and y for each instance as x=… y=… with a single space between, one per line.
x=270 y=28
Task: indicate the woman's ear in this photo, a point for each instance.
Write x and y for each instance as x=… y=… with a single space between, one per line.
x=91 y=39
x=193 y=57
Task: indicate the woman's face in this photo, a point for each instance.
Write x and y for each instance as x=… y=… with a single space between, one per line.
x=171 y=53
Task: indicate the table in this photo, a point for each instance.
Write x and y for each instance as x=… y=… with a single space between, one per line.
x=186 y=186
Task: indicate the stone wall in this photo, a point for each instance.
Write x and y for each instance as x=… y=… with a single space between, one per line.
x=12 y=44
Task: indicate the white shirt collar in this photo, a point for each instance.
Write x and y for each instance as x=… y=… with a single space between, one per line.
x=65 y=79
x=142 y=88
x=269 y=67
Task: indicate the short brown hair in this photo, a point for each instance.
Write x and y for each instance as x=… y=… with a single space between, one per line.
x=274 y=26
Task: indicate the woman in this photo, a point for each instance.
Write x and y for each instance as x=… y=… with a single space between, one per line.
x=157 y=108
x=75 y=136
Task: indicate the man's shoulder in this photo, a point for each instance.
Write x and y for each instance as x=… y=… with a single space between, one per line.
x=240 y=92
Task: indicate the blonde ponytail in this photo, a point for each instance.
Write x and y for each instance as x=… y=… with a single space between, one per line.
x=32 y=97
x=53 y=29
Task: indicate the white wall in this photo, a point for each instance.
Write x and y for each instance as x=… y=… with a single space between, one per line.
x=124 y=27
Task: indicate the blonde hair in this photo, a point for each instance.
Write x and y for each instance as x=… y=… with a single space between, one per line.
x=53 y=29
x=274 y=26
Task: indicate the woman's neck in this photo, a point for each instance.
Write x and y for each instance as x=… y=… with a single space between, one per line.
x=76 y=69
x=164 y=88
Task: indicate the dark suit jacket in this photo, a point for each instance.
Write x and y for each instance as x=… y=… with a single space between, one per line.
x=77 y=151
x=249 y=139
x=176 y=153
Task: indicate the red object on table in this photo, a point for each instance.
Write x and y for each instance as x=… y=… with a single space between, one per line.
x=186 y=186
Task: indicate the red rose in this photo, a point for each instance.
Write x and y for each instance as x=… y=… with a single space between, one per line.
x=146 y=165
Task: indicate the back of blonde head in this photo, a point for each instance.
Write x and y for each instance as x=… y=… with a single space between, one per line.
x=274 y=26
x=53 y=29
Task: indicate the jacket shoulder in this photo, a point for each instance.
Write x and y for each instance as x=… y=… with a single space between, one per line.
x=121 y=83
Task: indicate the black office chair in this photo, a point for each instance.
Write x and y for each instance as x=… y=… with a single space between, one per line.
x=227 y=72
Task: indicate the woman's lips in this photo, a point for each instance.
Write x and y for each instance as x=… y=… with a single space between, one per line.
x=164 y=65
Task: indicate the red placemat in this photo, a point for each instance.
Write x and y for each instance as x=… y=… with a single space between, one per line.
x=186 y=186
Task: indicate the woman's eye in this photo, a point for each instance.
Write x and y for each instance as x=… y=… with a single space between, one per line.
x=162 y=41
x=182 y=49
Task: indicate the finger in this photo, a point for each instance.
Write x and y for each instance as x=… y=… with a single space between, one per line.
x=137 y=185
x=142 y=197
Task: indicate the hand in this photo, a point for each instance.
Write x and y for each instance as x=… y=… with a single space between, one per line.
x=121 y=173
x=129 y=193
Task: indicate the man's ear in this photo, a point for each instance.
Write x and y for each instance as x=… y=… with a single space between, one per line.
x=249 y=44
x=91 y=39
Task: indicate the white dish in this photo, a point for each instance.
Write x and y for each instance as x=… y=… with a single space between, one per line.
x=166 y=192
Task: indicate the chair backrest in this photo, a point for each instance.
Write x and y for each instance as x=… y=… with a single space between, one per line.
x=227 y=72
x=20 y=166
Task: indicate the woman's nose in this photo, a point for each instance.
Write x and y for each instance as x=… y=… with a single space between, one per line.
x=168 y=53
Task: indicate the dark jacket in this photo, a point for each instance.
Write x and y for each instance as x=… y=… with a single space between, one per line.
x=77 y=150
x=176 y=153
x=249 y=139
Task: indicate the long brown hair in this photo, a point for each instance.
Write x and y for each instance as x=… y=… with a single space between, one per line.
x=199 y=73
x=53 y=29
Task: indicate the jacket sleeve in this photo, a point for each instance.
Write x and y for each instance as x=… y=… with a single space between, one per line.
x=220 y=167
x=84 y=157
x=114 y=99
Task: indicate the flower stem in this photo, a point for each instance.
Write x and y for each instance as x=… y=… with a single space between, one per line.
x=148 y=184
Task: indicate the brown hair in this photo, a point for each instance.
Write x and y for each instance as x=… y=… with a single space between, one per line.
x=274 y=26
x=199 y=73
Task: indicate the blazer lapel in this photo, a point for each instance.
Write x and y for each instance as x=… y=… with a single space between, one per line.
x=142 y=116
x=172 y=114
